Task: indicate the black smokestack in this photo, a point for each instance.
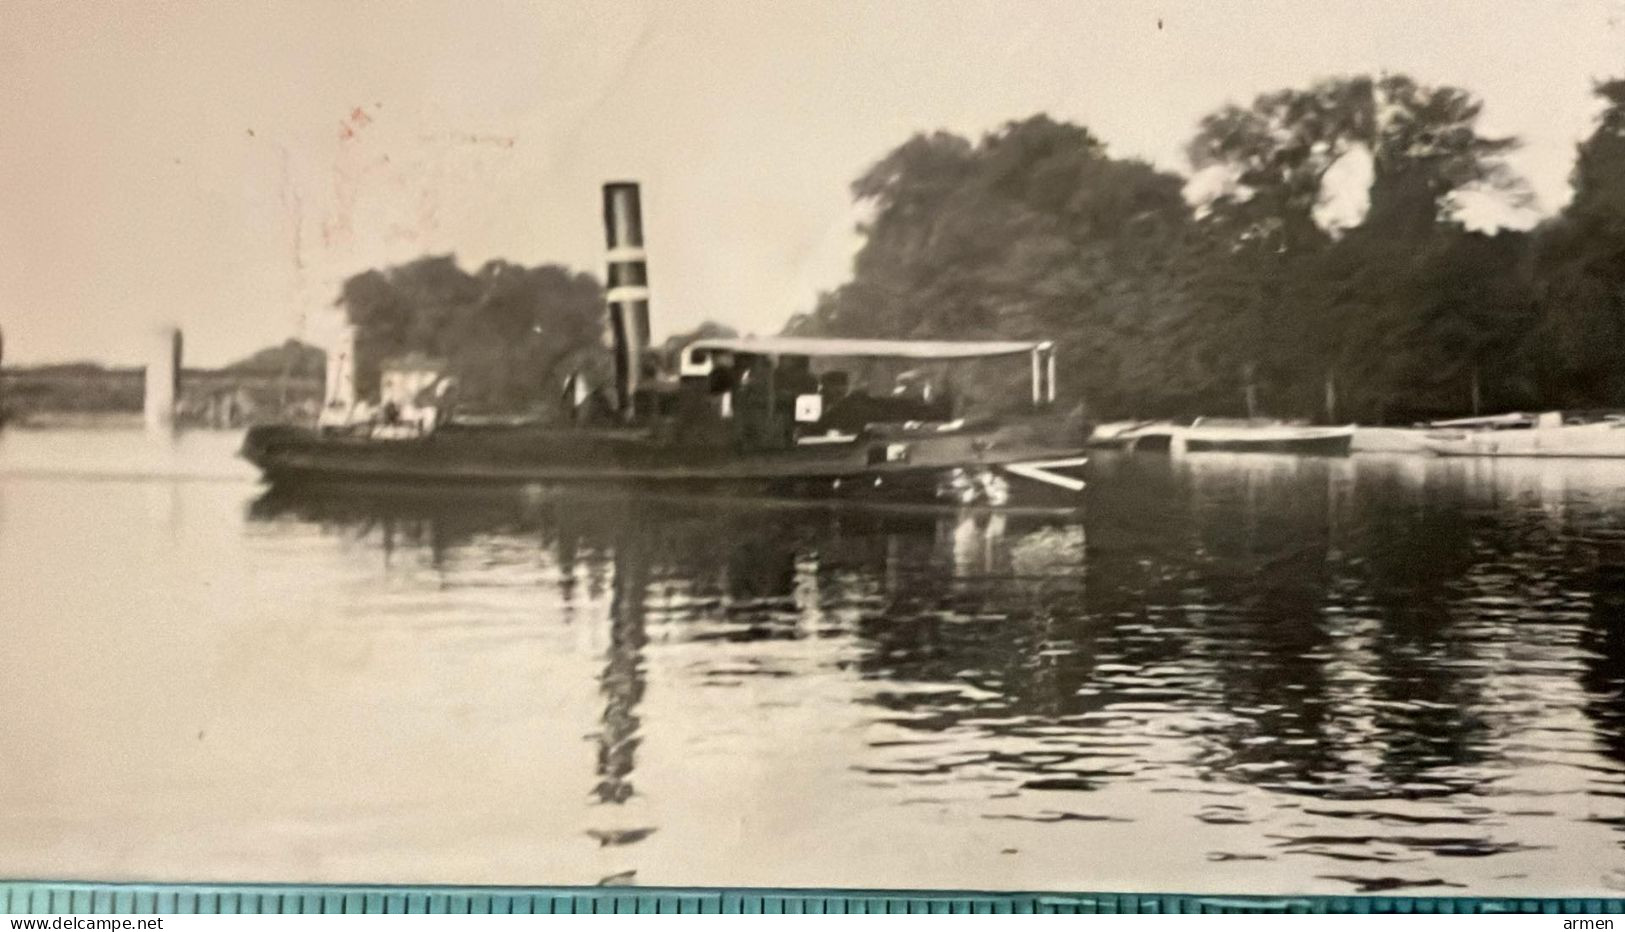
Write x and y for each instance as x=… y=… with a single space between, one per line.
x=628 y=282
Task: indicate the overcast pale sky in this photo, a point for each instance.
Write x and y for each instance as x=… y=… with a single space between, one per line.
x=224 y=166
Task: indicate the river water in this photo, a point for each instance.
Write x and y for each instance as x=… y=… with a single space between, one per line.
x=1229 y=674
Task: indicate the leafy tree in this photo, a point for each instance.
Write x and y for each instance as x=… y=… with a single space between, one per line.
x=1304 y=303
x=508 y=332
x=1580 y=271
x=1264 y=299
x=1032 y=232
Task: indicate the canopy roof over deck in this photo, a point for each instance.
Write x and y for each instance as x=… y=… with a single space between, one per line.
x=697 y=357
x=888 y=349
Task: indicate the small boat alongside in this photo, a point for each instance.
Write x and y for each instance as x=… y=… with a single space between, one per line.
x=1551 y=434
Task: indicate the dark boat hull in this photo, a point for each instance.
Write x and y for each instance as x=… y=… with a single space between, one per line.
x=912 y=465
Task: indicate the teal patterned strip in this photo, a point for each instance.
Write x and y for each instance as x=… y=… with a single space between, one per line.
x=83 y=898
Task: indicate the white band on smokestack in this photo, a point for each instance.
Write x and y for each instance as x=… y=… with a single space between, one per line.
x=627 y=287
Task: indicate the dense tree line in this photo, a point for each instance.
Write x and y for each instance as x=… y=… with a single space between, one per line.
x=1286 y=289
x=1261 y=295
x=292 y=359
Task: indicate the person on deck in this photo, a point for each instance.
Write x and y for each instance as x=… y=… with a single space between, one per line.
x=753 y=401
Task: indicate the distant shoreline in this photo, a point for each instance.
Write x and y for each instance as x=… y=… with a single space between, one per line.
x=76 y=420
x=80 y=396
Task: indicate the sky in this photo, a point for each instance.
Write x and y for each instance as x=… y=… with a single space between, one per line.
x=223 y=167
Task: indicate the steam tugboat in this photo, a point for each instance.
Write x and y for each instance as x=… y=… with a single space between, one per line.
x=771 y=416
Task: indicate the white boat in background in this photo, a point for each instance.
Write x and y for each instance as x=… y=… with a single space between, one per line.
x=1232 y=435
x=1415 y=439
x=1240 y=435
x=1551 y=434
x=1515 y=420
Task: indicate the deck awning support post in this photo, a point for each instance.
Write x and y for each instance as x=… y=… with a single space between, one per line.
x=1049 y=373
x=1043 y=363
x=1038 y=377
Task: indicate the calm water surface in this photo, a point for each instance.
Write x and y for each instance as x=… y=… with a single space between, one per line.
x=1233 y=674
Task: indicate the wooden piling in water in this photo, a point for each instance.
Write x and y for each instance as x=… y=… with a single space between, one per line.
x=163 y=376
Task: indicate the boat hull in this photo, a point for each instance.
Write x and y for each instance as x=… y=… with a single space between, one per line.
x=911 y=466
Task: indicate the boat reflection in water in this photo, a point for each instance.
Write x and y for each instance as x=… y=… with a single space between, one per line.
x=1307 y=673
x=704 y=570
